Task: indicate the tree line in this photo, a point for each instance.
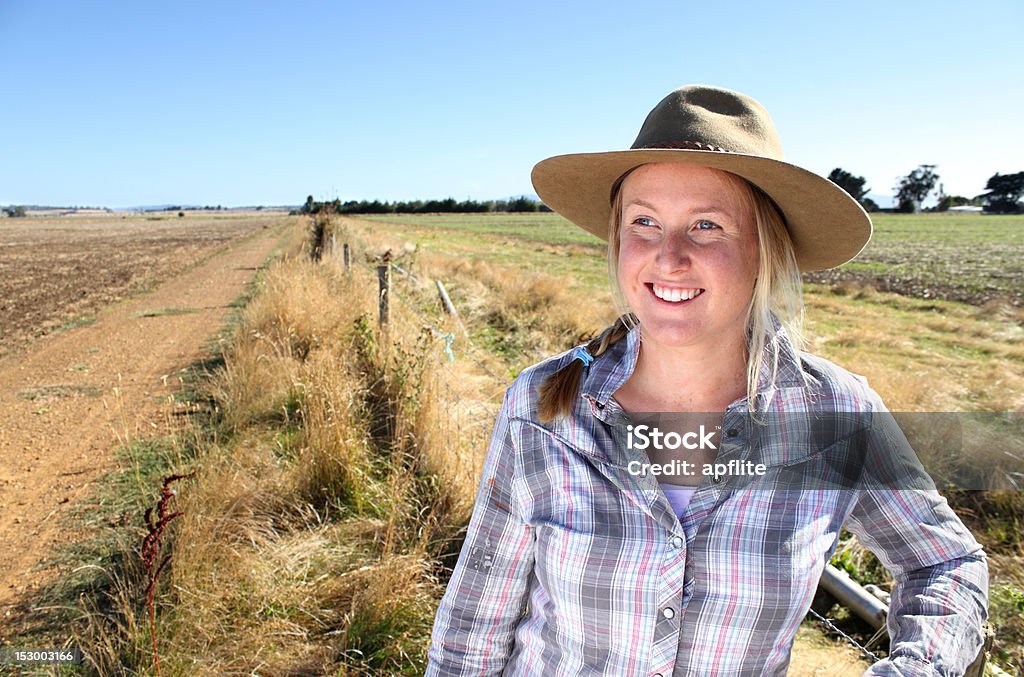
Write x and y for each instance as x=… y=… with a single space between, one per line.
x=1002 y=196
x=448 y=205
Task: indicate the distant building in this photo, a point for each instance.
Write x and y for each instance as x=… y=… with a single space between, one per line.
x=966 y=209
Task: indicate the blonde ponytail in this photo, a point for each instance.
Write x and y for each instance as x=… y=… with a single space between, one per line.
x=559 y=390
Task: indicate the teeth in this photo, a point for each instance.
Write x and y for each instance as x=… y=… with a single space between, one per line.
x=675 y=295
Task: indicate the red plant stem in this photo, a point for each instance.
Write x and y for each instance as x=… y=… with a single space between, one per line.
x=151 y=546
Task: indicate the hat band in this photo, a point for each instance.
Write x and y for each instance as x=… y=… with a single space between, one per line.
x=684 y=145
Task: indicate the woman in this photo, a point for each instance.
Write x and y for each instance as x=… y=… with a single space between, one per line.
x=663 y=500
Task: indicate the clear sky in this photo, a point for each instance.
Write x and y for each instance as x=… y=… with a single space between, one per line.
x=242 y=103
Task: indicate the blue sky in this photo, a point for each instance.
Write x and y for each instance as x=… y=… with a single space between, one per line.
x=240 y=103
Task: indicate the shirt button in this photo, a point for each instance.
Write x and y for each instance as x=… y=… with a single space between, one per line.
x=668 y=612
x=732 y=432
x=677 y=542
x=658 y=674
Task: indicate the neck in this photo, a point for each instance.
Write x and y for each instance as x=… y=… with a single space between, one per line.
x=693 y=378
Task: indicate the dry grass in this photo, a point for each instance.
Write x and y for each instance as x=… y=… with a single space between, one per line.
x=922 y=356
x=340 y=474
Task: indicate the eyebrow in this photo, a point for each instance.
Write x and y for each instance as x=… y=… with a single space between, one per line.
x=699 y=210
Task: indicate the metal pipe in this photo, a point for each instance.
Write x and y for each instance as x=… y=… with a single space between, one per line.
x=851 y=594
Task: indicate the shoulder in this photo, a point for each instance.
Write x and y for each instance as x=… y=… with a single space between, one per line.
x=831 y=382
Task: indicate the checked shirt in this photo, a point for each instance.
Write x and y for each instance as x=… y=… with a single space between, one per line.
x=573 y=565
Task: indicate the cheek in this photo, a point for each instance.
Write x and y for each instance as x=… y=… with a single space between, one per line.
x=627 y=259
x=746 y=259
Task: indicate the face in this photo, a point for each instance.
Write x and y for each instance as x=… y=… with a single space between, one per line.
x=687 y=255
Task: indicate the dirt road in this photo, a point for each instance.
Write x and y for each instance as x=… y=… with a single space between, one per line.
x=68 y=401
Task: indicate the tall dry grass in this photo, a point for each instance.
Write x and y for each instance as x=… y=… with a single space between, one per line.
x=339 y=474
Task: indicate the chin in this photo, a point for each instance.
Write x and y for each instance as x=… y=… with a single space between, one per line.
x=670 y=335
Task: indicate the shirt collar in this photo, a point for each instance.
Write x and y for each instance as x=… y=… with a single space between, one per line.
x=614 y=367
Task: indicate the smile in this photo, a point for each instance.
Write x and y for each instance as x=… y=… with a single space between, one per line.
x=674 y=294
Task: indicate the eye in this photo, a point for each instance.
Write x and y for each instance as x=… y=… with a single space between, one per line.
x=704 y=224
x=644 y=221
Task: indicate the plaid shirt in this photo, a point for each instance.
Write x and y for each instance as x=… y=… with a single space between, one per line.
x=573 y=565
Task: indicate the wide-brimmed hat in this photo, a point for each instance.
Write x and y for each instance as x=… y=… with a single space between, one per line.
x=722 y=129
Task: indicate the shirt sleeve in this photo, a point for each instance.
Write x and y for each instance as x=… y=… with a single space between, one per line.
x=476 y=620
x=940 y=600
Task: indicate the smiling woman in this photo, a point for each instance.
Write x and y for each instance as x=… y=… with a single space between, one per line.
x=584 y=555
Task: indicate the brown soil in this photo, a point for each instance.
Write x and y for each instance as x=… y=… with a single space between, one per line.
x=57 y=272
x=68 y=401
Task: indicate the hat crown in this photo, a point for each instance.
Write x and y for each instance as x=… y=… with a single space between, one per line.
x=699 y=115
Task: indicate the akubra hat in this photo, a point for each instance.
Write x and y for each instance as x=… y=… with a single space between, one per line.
x=722 y=129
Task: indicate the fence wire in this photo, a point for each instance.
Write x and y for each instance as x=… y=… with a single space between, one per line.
x=830 y=626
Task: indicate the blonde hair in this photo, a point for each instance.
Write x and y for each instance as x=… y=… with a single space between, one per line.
x=777 y=296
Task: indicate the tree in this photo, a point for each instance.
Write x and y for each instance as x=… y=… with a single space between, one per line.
x=913 y=188
x=854 y=185
x=522 y=204
x=1004 y=193
x=15 y=211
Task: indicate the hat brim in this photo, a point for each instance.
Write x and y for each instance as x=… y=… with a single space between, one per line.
x=828 y=227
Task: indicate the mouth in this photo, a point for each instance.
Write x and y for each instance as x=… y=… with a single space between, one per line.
x=674 y=295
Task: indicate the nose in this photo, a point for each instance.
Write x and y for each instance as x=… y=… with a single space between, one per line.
x=674 y=252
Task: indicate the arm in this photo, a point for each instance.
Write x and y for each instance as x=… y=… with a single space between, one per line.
x=941 y=596
x=486 y=597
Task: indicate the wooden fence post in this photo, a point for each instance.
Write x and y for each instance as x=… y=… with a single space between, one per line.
x=346 y=257
x=384 y=280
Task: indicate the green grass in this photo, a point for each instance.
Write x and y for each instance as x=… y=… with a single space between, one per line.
x=163 y=312
x=58 y=391
x=544 y=241
x=74 y=323
x=539 y=227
